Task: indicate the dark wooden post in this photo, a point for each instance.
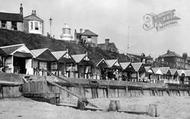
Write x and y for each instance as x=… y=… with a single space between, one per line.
x=126 y=91
x=152 y=110
x=114 y=105
x=108 y=91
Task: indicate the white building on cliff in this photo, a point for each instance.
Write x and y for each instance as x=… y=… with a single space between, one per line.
x=66 y=33
x=33 y=24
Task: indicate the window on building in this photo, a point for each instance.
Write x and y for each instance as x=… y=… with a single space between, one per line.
x=54 y=65
x=3 y=24
x=14 y=25
x=34 y=64
x=36 y=26
x=43 y=65
x=31 y=25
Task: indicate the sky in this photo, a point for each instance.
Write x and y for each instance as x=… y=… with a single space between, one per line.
x=119 y=20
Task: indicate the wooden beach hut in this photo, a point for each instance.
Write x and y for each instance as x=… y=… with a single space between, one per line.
x=139 y=71
x=148 y=73
x=16 y=59
x=65 y=63
x=43 y=59
x=181 y=73
x=127 y=70
x=174 y=76
x=110 y=69
x=101 y=66
x=187 y=77
x=155 y=77
x=166 y=74
x=83 y=66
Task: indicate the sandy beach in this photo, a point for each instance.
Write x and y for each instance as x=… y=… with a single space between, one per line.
x=23 y=108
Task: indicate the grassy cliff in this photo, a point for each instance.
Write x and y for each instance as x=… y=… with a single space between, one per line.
x=34 y=41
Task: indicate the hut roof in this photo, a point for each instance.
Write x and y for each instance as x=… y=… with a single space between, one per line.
x=112 y=62
x=180 y=72
x=187 y=73
x=173 y=72
x=137 y=66
x=101 y=61
x=79 y=57
x=59 y=54
x=63 y=56
x=43 y=54
x=37 y=52
x=11 y=48
x=124 y=65
x=14 y=50
x=165 y=70
x=148 y=69
x=156 y=70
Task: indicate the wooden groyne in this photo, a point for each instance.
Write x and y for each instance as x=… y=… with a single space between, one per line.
x=12 y=85
x=104 y=88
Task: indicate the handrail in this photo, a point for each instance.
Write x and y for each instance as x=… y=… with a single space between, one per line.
x=74 y=85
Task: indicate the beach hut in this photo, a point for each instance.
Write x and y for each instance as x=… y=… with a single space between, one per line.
x=187 y=77
x=43 y=59
x=101 y=66
x=110 y=69
x=148 y=73
x=127 y=70
x=64 y=63
x=181 y=73
x=166 y=74
x=155 y=78
x=16 y=59
x=83 y=66
x=174 y=76
x=139 y=71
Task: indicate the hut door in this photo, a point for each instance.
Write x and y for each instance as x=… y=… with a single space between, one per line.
x=19 y=65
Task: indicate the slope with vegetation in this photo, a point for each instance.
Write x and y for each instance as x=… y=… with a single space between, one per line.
x=34 y=41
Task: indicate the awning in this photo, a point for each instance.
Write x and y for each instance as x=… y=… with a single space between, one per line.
x=22 y=54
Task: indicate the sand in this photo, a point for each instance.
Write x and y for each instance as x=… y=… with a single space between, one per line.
x=173 y=107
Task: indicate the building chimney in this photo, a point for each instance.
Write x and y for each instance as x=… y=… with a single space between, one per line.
x=107 y=41
x=21 y=9
x=34 y=12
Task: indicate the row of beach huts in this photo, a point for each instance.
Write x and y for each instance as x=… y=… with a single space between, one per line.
x=19 y=59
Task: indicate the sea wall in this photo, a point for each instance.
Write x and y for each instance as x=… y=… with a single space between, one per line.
x=104 y=89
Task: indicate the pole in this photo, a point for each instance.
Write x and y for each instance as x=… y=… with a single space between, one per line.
x=128 y=39
x=50 y=22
